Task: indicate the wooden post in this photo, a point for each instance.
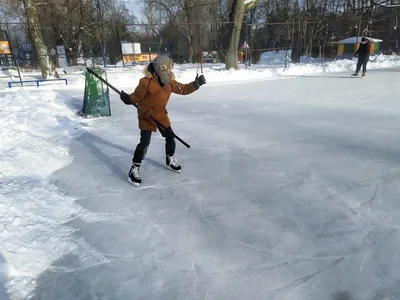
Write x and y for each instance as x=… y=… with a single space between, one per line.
x=13 y=57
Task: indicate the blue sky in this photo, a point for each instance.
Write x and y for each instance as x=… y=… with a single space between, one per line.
x=134 y=7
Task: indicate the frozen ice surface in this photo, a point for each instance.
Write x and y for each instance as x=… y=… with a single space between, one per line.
x=290 y=190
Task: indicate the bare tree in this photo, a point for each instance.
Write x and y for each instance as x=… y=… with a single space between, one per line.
x=46 y=65
x=115 y=19
x=9 y=9
x=154 y=19
x=238 y=9
x=67 y=21
x=237 y=18
x=185 y=17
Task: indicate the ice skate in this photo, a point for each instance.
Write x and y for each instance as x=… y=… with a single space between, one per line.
x=134 y=176
x=172 y=164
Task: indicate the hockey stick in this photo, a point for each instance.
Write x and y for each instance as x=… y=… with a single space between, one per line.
x=138 y=107
x=373 y=59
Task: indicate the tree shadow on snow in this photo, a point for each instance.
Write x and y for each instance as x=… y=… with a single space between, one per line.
x=3 y=279
x=363 y=149
x=74 y=103
x=90 y=141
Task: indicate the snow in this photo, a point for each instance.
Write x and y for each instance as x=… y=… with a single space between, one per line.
x=289 y=189
x=35 y=132
x=8 y=72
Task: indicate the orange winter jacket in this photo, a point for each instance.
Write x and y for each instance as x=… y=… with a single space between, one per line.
x=153 y=98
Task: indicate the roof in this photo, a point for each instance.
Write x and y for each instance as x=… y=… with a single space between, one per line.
x=354 y=40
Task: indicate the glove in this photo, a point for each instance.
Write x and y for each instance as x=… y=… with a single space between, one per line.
x=199 y=81
x=125 y=98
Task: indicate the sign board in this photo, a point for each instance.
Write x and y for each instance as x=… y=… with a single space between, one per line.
x=61 y=56
x=132 y=58
x=130 y=48
x=61 y=50
x=4 y=47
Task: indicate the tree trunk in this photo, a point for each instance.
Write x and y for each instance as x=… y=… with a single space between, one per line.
x=46 y=65
x=189 y=28
x=296 y=45
x=232 y=57
x=190 y=54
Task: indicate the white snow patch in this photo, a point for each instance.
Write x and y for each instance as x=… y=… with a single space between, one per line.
x=272 y=65
x=35 y=130
x=8 y=72
x=275 y=60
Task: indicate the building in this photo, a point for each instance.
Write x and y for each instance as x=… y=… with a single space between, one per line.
x=347 y=47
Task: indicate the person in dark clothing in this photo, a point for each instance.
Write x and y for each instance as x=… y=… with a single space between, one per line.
x=363 y=56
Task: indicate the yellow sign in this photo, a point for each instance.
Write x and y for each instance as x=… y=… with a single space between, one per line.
x=130 y=58
x=4 y=47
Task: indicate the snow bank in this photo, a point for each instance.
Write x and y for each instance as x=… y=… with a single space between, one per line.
x=214 y=73
x=376 y=62
x=276 y=60
x=34 y=127
x=272 y=65
x=8 y=73
x=217 y=74
x=35 y=130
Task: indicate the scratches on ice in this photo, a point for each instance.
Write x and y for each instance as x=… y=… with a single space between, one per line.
x=301 y=280
x=194 y=280
x=160 y=230
x=270 y=250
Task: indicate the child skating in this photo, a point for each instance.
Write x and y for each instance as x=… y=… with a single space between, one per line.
x=152 y=95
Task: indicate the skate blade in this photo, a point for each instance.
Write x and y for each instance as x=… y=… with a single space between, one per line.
x=176 y=171
x=133 y=183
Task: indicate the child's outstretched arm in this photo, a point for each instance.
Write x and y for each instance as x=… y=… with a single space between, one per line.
x=186 y=89
x=138 y=94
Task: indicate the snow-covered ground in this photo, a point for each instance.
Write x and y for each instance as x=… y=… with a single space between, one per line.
x=289 y=190
x=272 y=65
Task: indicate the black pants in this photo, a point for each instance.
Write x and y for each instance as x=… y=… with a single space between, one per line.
x=362 y=61
x=145 y=136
